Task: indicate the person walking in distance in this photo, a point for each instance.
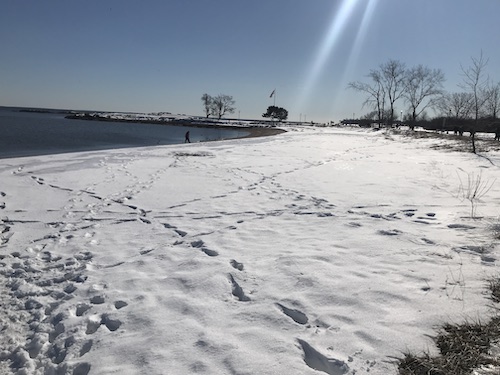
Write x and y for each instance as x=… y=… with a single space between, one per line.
x=186 y=138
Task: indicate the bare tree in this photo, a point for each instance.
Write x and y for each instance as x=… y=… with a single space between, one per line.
x=392 y=75
x=423 y=87
x=475 y=82
x=222 y=104
x=492 y=101
x=207 y=104
x=457 y=105
x=375 y=91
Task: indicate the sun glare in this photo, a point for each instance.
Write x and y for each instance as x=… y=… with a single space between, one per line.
x=341 y=18
x=362 y=31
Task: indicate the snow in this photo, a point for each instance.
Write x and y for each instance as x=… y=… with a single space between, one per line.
x=316 y=251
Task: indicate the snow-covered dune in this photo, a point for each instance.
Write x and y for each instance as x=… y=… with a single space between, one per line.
x=314 y=251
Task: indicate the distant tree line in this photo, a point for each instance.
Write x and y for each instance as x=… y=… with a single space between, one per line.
x=420 y=88
x=217 y=106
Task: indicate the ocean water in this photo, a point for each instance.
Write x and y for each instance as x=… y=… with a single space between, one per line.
x=30 y=134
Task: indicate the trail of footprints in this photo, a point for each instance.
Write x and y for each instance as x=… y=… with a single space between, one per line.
x=198 y=244
x=427 y=218
x=5 y=233
x=43 y=288
x=312 y=357
x=40 y=289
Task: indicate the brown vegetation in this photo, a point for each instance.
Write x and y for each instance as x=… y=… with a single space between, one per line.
x=462 y=347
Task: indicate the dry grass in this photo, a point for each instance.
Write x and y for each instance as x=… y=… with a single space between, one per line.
x=453 y=142
x=494 y=287
x=462 y=347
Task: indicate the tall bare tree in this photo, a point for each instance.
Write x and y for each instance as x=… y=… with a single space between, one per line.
x=388 y=84
x=423 y=87
x=475 y=82
x=222 y=104
x=207 y=104
x=392 y=75
x=375 y=91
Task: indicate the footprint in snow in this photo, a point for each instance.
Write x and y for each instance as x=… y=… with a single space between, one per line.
x=236 y=265
x=427 y=241
x=60 y=188
x=488 y=259
x=421 y=221
x=145 y=221
x=391 y=232
x=352 y=224
x=409 y=212
x=120 y=304
x=461 y=226
x=95 y=321
x=93 y=324
x=111 y=323
x=97 y=300
x=180 y=232
x=81 y=369
x=4 y=238
x=81 y=309
x=199 y=244
x=86 y=347
x=237 y=290
x=57 y=354
x=39 y=181
x=296 y=315
x=209 y=252
x=318 y=361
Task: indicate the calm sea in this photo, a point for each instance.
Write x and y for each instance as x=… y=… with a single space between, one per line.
x=30 y=134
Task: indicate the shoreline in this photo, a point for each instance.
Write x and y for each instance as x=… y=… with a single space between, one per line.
x=26 y=136
x=254 y=131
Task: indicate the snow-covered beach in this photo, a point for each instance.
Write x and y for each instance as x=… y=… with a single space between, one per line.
x=320 y=250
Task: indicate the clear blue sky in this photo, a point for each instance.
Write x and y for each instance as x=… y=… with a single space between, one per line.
x=163 y=55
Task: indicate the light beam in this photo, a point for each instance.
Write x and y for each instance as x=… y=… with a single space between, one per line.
x=343 y=15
